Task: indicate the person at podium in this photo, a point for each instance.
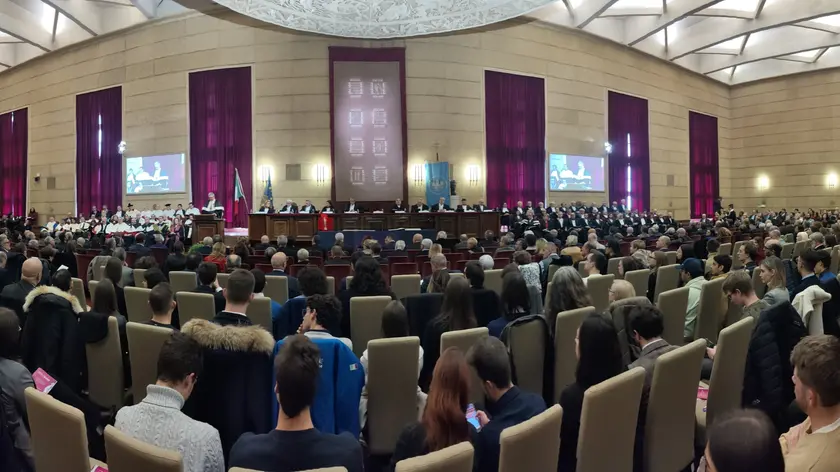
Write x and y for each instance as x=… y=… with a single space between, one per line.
x=307 y=207
x=441 y=205
x=211 y=205
x=352 y=207
x=463 y=206
x=398 y=206
x=289 y=207
x=420 y=206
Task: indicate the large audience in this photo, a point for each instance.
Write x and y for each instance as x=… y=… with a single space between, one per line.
x=231 y=393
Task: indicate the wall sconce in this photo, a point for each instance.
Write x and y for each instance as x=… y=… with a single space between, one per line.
x=473 y=173
x=264 y=173
x=417 y=174
x=608 y=147
x=321 y=172
x=831 y=181
x=763 y=182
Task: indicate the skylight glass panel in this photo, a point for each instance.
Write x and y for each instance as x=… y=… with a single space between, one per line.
x=832 y=20
x=740 y=5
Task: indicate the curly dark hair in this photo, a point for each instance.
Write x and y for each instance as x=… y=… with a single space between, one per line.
x=367 y=277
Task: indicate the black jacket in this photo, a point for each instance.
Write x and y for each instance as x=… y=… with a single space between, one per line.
x=234 y=393
x=803 y=284
x=218 y=298
x=174 y=262
x=51 y=338
x=831 y=308
x=14 y=296
x=514 y=407
x=142 y=251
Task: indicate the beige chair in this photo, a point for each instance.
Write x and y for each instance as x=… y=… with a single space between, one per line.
x=457 y=458
x=139 y=277
x=608 y=423
x=548 y=289
x=92 y=284
x=669 y=423
x=195 y=305
x=736 y=263
x=126 y=454
x=391 y=390
x=493 y=280
x=259 y=312
x=366 y=320
x=331 y=285
x=667 y=278
x=727 y=377
x=598 y=287
x=527 y=346
x=835 y=259
x=77 y=288
x=58 y=435
x=551 y=270
x=801 y=247
x=347 y=280
x=671 y=257
x=145 y=343
x=734 y=313
x=99 y=269
x=405 y=285
x=674 y=304
x=534 y=442
x=464 y=340
x=457 y=274
x=105 y=369
x=182 y=281
x=712 y=310
x=565 y=359
x=581 y=269
x=758 y=286
x=612 y=267
x=277 y=288
x=137 y=302
x=222 y=279
x=787 y=250
x=328 y=469
x=639 y=279
x=725 y=249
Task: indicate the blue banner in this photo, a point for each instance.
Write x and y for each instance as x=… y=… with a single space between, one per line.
x=437 y=182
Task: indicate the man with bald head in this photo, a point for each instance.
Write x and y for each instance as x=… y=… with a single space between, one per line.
x=264 y=243
x=279 y=262
x=14 y=295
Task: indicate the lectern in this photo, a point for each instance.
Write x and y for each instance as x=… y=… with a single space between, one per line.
x=207 y=225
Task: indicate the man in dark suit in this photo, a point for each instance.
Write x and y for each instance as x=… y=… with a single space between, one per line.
x=647 y=325
x=806 y=264
x=284 y=247
x=265 y=242
x=206 y=274
x=237 y=296
x=206 y=247
x=462 y=242
x=307 y=207
x=463 y=206
x=5 y=276
x=176 y=261
x=352 y=207
x=398 y=206
x=278 y=265
x=139 y=247
x=420 y=206
x=158 y=242
x=480 y=206
x=289 y=207
x=441 y=205
x=14 y=296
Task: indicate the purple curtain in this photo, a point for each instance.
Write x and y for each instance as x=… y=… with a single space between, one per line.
x=220 y=138
x=515 y=129
x=704 y=170
x=99 y=179
x=629 y=161
x=13 y=160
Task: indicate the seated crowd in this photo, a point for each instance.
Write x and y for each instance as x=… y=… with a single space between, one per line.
x=232 y=393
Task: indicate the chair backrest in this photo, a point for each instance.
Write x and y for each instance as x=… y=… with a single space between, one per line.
x=534 y=442
x=464 y=340
x=139 y=277
x=565 y=360
x=736 y=263
x=366 y=320
x=552 y=268
x=581 y=269
x=493 y=280
x=99 y=268
x=457 y=458
x=787 y=250
x=182 y=281
x=267 y=268
x=403 y=268
x=667 y=278
x=82 y=263
x=500 y=262
x=639 y=279
x=527 y=345
x=259 y=312
x=598 y=287
x=670 y=420
x=671 y=257
x=835 y=259
x=105 y=368
x=711 y=311
x=58 y=434
x=391 y=390
x=195 y=305
x=277 y=288
x=126 y=454
x=222 y=279
x=674 y=304
x=92 y=284
x=800 y=247
x=144 y=342
x=608 y=423
x=77 y=288
x=405 y=285
x=137 y=303
x=727 y=379
x=331 y=285
x=612 y=267
x=725 y=249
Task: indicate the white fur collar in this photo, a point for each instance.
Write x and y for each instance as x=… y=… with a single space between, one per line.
x=47 y=290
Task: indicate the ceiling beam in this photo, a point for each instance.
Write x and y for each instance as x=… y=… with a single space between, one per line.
x=795 y=41
x=642 y=28
x=589 y=10
x=147 y=7
x=711 y=32
x=816 y=25
x=23 y=25
x=81 y=12
x=727 y=13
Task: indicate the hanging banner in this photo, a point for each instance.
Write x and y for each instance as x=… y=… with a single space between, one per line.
x=437 y=182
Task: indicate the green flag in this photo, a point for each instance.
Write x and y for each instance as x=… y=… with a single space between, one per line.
x=237 y=191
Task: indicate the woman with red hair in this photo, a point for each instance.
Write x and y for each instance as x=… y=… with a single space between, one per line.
x=444 y=420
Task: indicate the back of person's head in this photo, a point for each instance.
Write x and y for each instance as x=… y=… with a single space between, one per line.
x=573 y=294
x=744 y=440
x=240 y=287
x=712 y=245
x=438 y=262
x=259 y=280
x=724 y=261
x=367 y=277
x=336 y=252
x=809 y=259
x=630 y=263
x=530 y=239
x=687 y=251
x=486 y=261
x=302 y=254
x=327 y=310
x=297 y=370
x=113 y=270
x=161 y=298
x=516 y=300
x=443 y=418
x=177 y=247
x=475 y=274
x=438 y=281
x=457 y=309
x=599 y=354
x=816 y=376
x=145 y=263
x=194 y=259
x=153 y=277
x=207 y=273
x=646 y=321
x=620 y=290
x=312 y=281
x=491 y=361
x=9 y=334
x=62 y=280
x=522 y=257
x=394 y=320
x=104 y=298
x=599 y=260
x=181 y=359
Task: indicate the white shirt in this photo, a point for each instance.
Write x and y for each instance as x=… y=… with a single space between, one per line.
x=193 y=211
x=352 y=207
x=211 y=205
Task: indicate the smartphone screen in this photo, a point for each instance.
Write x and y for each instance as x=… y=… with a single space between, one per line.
x=472 y=418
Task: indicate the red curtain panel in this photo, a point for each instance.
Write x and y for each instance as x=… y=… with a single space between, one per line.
x=629 y=161
x=704 y=170
x=99 y=179
x=13 y=162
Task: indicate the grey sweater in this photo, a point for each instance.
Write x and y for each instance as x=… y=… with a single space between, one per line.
x=14 y=379
x=158 y=421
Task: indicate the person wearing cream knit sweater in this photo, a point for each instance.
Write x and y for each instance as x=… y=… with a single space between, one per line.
x=814 y=445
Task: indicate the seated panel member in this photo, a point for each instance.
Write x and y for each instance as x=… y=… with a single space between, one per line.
x=307 y=207
x=441 y=205
x=480 y=206
x=398 y=206
x=463 y=206
x=352 y=207
x=266 y=207
x=289 y=207
x=328 y=208
x=420 y=206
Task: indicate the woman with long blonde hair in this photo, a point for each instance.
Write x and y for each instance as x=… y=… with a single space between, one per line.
x=773 y=275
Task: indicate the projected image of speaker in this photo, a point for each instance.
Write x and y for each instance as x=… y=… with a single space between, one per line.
x=155 y=174
x=575 y=173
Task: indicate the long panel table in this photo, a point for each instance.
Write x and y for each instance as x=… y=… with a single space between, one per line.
x=303 y=226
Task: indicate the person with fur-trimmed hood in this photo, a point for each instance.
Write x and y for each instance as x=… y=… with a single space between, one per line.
x=234 y=394
x=51 y=338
